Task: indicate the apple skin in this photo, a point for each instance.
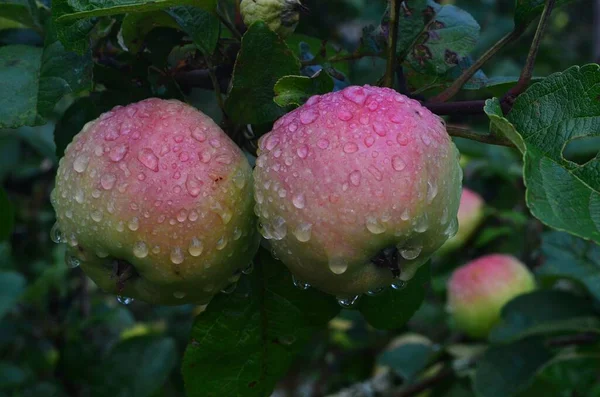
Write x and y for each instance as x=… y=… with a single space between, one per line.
x=478 y=290
x=155 y=202
x=352 y=178
x=470 y=216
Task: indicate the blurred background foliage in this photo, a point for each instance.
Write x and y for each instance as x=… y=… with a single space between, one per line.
x=61 y=336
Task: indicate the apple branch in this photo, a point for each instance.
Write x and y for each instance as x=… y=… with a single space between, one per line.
x=388 y=79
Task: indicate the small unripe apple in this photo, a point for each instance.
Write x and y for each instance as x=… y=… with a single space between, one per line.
x=281 y=16
x=470 y=216
x=356 y=189
x=155 y=202
x=478 y=290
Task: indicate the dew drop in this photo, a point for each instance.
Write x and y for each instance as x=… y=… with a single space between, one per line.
x=374 y=226
x=100 y=253
x=214 y=142
x=302 y=151
x=182 y=215
x=344 y=115
x=278 y=228
x=402 y=139
x=350 y=147
x=118 y=152
x=96 y=215
x=124 y=300
x=79 y=196
x=56 y=234
x=177 y=256
x=432 y=191
x=107 y=181
x=299 y=201
x=198 y=134
x=398 y=164
x=369 y=141
x=249 y=268
x=373 y=105
x=237 y=233
x=379 y=128
x=228 y=289
x=410 y=253
x=184 y=156
x=134 y=224
x=72 y=261
x=193 y=216
x=179 y=294
x=396 y=118
x=426 y=139
x=347 y=302
x=303 y=232
x=338 y=265
x=398 y=285
x=221 y=243
x=422 y=224
x=205 y=156
x=148 y=159
x=81 y=163
x=323 y=143
x=375 y=291
x=373 y=170
x=140 y=249
x=196 y=247
x=300 y=284
x=193 y=186
x=292 y=127
x=308 y=116
x=355 y=177
x=223 y=159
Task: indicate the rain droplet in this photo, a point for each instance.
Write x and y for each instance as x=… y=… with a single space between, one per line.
x=399 y=285
x=196 y=247
x=214 y=142
x=221 y=244
x=292 y=127
x=398 y=164
x=72 y=261
x=228 y=289
x=237 y=233
x=278 y=228
x=81 y=163
x=96 y=215
x=108 y=181
x=179 y=294
x=193 y=186
x=56 y=234
x=323 y=143
x=308 y=116
x=303 y=232
x=374 y=226
x=178 y=138
x=205 y=156
x=402 y=139
x=347 y=302
x=223 y=159
x=100 y=253
x=184 y=156
x=338 y=265
x=355 y=94
x=344 y=115
x=177 y=256
x=134 y=224
x=79 y=195
x=118 y=152
x=375 y=291
x=124 y=300
x=396 y=118
x=432 y=191
x=422 y=224
x=140 y=249
x=379 y=128
x=300 y=284
x=369 y=141
x=373 y=105
x=148 y=159
x=302 y=151
x=350 y=147
x=410 y=253
x=355 y=177
x=299 y=201
x=249 y=268
x=198 y=134
x=373 y=170
x=426 y=139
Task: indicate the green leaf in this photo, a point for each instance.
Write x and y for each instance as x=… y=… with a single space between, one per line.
x=136 y=367
x=392 y=308
x=563 y=107
x=7 y=216
x=202 y=26
x=545 y=312
x=10 y=375
x=245 y=341
x=505 y=370
x=263 y=59
x=295 y=90
x=19 y=74
x=21 y=11
x=571 y=257
x=136 y=26
x=528 y=10
x=433 y=38
x=12 y=285
x=408 y=360
x=73 y=18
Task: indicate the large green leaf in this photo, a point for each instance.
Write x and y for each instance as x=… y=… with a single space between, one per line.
x=73 y=18
x=136 y=26
x=263 y=59
x=505 y=370
x=136 y=367
x=295 y=90
x=21 y=11
x=12 y=285
x=409 y=359
x=545 y=312
x=19 y=78
x=392 y=308
x=563 y=107
x=202 y=26
x=571 y=257
x=245 y=341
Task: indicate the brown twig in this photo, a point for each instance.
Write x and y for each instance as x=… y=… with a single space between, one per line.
x=425 y=384
x=491 y=139
x=340 y=58
x=453 y=89
x=388 y=78
x=527 y=71
x=574 y=340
